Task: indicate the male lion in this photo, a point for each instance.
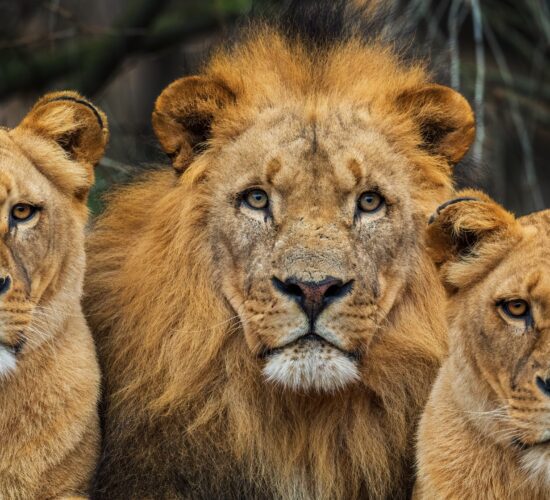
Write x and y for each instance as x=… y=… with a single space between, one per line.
x=486 y=429
x=267 y=316
x=49 y=375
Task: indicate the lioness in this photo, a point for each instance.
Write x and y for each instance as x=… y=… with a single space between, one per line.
x=267 y=316
x=486 y=427
x=49 y=375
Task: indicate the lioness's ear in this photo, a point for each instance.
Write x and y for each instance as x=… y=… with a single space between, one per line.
x=467 y=234
x=445 y=119
x=71 y=121
x=183 y=116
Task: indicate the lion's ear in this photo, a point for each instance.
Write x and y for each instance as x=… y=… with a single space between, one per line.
x=183 y=116
x=445 y=119
x=74 y=123
x=467 y=235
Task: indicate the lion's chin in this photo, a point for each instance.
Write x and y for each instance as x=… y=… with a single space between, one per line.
x=311 y=366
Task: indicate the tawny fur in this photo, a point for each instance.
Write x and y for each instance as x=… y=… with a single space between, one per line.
x=179 y=291
x=484 y=431
x=49 y=375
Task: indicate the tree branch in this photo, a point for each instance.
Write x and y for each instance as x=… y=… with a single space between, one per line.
x=97 y=59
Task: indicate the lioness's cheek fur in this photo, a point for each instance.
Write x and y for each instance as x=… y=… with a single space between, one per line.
x=49 y=375
x=262 y=335
x=484 y=432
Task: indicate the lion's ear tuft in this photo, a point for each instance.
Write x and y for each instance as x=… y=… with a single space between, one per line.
x=74 y=123
x=467 y=234
x=183 y=116
x=445 y=119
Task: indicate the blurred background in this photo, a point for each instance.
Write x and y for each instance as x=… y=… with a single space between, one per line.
x=122 y=53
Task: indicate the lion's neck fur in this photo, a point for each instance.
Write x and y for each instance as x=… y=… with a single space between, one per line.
x=200 y=381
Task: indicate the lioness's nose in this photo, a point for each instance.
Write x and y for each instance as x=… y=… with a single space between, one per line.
x=313 y=296
x=544 y=385
x=5 y=284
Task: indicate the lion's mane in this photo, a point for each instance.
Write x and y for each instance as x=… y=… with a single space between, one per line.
x=181 y=386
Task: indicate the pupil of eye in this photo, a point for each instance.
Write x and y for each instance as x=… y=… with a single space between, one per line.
x=370 y=201
x=517 y=308
x=256 y=199
x=22 y=212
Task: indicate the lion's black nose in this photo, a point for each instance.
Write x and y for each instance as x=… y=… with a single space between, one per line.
x=544 y=385
x=5 y=284
x=313 y=296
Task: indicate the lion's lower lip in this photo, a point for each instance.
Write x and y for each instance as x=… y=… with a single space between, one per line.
x=309 y=337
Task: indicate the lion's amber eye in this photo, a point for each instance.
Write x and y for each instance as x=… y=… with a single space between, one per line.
x=22 y=212
x=516 y=308
x=370 y=201
x=256 y=199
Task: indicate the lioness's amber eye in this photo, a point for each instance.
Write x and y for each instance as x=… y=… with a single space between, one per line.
x=22 y=212
x=256 y=199
x=370 y=201
x=516 y=308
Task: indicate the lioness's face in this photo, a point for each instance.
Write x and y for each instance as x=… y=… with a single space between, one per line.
x=35 y=230
x=506 y=317
x=46 y=170
x=314 y=229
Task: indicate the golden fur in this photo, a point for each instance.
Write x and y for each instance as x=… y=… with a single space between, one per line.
x=211 y=388
x=485 y=430
x=49 y=375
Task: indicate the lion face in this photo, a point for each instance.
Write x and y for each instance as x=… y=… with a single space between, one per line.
x=317 y=230
x=498 y=269
x=510 y=309
x=42 y=214
x=317 y=196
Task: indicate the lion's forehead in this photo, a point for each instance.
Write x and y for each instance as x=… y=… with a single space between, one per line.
x=527 y=261
x=335 y=148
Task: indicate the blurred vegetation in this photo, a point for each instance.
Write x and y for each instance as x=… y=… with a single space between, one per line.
x=122 y=53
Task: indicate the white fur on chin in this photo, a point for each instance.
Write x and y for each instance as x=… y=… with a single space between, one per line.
x=7 y=362
x=536 y=462
x=311 y=367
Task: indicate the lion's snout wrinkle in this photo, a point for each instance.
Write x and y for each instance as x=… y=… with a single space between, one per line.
x=313 y=296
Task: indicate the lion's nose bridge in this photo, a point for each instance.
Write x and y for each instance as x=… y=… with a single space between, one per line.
x=308 y=265
x=316 y=247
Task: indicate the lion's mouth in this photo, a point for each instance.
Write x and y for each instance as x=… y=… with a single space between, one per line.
x=310 y=337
